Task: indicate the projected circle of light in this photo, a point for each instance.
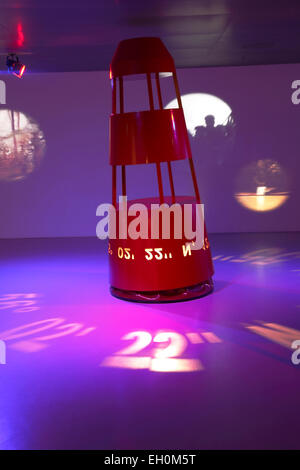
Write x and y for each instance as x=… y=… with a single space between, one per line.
x=262 y=186
x=198 y=106
x=22 y=145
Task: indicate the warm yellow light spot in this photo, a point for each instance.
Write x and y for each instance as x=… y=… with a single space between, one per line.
x=127 y=362
x=176 y=347
x=276 y=333
x=194 y=338
x=142 y=340
x=211 y=337
x=262 y=186
x=261 y=203
x=171 y=364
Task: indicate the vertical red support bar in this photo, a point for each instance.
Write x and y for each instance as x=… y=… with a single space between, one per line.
x=114 y=96
x=121 y=95
x=160 y=185
x=197 y=194
x=121 y=112
x=158 y=169
x=171 y=182
x=114 y=169
x=114 y=185
x=161 y=106
x=150 y=93
x=160 y=101
x=177 y=90
x=123 y=180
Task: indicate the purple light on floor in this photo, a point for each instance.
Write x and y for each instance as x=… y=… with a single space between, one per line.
x=201 y=369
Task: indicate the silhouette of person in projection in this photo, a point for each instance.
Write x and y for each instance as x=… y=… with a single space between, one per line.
x=215 y=140
x=210 y=131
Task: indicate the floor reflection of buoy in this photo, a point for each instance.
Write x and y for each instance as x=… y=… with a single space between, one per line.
x=268 y=181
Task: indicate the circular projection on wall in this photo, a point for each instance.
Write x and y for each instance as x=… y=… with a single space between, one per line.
x=204 y=114
x=22 y=145
x=262 y=186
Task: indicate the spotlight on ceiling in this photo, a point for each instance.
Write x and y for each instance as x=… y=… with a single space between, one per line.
x=14 y=65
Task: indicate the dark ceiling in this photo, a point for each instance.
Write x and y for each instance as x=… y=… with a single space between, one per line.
x=53 y=35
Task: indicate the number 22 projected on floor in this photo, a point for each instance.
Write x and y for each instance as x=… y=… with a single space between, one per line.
x=166 y=351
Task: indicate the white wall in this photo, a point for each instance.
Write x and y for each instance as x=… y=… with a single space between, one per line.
x=72 y=109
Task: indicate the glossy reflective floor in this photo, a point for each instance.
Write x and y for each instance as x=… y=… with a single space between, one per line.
x=85 y=370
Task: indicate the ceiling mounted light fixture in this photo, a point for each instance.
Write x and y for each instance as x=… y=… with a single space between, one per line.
x=15 y=66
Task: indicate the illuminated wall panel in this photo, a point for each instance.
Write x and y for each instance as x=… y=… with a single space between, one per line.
x=60 y=197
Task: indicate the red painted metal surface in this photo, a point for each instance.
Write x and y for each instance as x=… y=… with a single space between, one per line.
x=158 y=265
x=146 y=269
x=148 y=137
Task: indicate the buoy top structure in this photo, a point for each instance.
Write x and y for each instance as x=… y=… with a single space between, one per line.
x=141 y=55
x=152 y=136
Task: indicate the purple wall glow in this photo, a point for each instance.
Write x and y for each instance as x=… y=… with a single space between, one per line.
x=60 y=197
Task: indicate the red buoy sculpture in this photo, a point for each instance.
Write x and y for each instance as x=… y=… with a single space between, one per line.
x=159 y=268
